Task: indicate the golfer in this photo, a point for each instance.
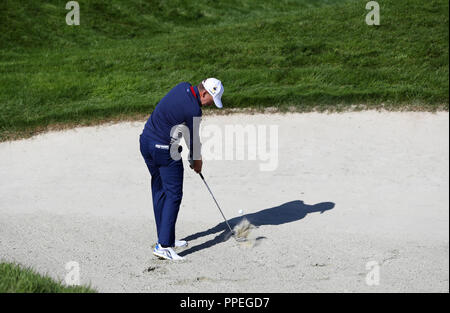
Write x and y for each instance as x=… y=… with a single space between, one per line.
x=181 y=107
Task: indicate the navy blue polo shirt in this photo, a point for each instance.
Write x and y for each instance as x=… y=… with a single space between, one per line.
x=179 y=106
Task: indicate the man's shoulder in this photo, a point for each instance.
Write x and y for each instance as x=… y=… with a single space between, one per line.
x=177 y=93
x=184 y=84
x=182 y=89
x=193 y=108
x=190 y=104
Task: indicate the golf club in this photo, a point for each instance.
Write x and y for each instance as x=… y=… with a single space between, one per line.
x=226 y=221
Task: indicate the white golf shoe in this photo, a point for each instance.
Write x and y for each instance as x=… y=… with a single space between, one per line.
x=166 y=253
x=180 y=243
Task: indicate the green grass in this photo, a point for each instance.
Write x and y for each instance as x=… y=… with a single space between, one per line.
x=17 y=279
x=126 y=54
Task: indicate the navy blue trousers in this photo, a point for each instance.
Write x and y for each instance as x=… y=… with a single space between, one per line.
x=167 y=187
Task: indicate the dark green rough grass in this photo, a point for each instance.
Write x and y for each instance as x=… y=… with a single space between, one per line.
x=125 y=55
x=17 y=279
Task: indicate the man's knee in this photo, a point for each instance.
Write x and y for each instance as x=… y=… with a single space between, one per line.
x=175 y=195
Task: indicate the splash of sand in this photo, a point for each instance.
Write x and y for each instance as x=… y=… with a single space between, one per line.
x=242 y=233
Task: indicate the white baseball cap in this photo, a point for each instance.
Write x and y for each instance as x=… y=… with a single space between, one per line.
x=215 y=88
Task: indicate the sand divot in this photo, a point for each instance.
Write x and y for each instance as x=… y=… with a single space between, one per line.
x=243 y=231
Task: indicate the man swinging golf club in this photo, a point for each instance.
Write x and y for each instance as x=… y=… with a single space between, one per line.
x=181 y=106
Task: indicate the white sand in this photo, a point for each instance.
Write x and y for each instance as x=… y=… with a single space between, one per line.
x=84 y=195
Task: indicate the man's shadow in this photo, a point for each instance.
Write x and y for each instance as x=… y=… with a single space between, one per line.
x=288 y=212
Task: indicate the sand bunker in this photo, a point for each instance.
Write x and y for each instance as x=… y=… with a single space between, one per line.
x=380 y=180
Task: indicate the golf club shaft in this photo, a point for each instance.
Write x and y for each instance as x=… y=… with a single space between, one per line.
x=216 y=202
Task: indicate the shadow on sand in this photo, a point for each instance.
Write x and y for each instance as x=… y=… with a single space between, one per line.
x=288 y=212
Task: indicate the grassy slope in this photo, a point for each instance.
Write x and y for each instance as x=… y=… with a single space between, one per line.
x=17 y=279
x=127 y=54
